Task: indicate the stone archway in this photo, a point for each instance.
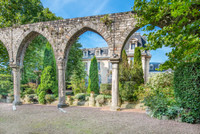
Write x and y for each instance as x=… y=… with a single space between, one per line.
x=60 y=34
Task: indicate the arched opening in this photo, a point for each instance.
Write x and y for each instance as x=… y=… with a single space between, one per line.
x=6 y=84
x=38 y=69
x=91 y=43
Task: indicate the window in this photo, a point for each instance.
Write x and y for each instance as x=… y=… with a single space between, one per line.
x=99 y=66
x=132 y=46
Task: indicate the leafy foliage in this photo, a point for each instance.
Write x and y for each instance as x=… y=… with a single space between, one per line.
x=41 y=97
x=105 y=89
x=75 y=72
x=6 y=84
x=136 y=69
x=180 y=31
x=77 y=83
x=187 y=89
x=93 y=77
x=158 y=95
x=50 y=98
x=4 y=60
x=130 y=76
x=74 y=62
x=48 y=82
x=80 y=96
x=124 y=68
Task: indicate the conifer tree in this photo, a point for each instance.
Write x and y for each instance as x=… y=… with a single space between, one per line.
x=124 y=68
x=137 y=71
x=49 y=81
x=93 y=77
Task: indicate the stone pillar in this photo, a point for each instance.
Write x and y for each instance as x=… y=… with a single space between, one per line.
x=61 y=85
x=144 y=67
x=147 y=68
x=115 y=84
x=16 y=84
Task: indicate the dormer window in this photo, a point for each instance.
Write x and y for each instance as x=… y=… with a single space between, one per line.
x=132 y=46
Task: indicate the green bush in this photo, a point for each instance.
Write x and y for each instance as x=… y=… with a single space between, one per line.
x=100 y=99
x=173 y=112
x=80 y=96
x=105 y=89
x=158 y=95
x=128 y=91
x=48 y=81
x=41 y=97
x=32 y=98
x=49 y=98
x=187 y=90
x=6 y=84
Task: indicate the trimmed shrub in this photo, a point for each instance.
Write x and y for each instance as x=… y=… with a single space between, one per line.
x=100 y=99
x=41 y=97
x=187 y=90
x=50 y=98
x=105 y=89
x=80 y=97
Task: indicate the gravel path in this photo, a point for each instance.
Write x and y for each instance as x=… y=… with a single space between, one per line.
x=38 y=119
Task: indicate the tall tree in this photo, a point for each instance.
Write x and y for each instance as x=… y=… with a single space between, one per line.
x=124 y=67
x=93 y=84
x=179 y=20
x=49 y=58
x=18 y=12
x=136 y=70
x=74 y=61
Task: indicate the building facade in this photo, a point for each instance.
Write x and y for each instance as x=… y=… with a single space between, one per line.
x=103 y=55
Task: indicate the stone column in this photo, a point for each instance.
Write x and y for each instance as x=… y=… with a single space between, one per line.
x=16 y=84
x=61 y=85
x=115 y=84
x=147 y=68
x=144 y=67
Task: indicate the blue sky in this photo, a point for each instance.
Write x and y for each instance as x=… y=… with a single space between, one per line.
x=82 y=8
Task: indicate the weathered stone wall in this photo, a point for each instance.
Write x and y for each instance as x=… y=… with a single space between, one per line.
x=62 y=33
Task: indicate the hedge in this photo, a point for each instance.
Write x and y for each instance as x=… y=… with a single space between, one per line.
x=187 y=89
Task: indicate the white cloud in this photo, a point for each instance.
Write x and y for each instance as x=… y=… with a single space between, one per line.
x=101 y=7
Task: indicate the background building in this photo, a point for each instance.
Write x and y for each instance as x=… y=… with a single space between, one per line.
x=103 y=55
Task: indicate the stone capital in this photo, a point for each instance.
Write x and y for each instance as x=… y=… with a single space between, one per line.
x=114 y=60
x=15 y=66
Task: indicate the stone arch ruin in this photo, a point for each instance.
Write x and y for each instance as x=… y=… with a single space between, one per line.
x=61 y=34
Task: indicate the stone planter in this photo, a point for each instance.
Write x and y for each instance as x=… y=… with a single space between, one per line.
x=9 y=99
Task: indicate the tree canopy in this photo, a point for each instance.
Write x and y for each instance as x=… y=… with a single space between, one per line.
x=179 y=20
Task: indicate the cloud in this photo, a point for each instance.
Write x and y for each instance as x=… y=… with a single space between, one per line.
x=101 y=7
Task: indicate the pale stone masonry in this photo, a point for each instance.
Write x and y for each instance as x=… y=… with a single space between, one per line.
x=61 y=34
x=103 y=58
